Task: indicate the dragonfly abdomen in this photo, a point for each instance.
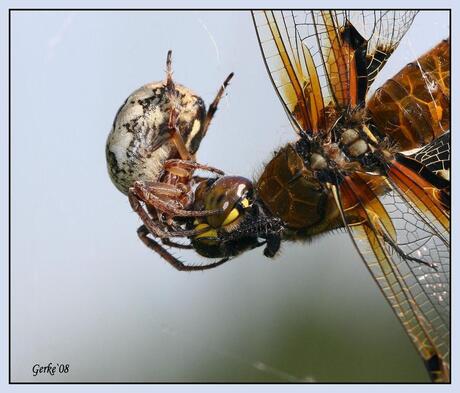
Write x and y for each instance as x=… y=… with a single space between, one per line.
x=412 y=108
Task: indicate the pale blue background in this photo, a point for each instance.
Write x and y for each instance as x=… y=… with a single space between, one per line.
x=85 y=291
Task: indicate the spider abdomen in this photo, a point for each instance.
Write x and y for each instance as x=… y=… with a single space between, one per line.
x=139 y=144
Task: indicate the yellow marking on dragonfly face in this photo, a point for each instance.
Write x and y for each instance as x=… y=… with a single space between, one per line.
x=210 y=233
x=232 y=216
x=245 y=203
x=234 y=213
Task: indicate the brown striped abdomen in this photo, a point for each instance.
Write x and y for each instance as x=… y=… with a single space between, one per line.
x=413 y=107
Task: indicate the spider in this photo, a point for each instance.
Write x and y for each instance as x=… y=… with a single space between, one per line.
x=150 y=154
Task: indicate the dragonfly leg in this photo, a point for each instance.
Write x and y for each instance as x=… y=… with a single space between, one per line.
x=273 y=244
x=403 y=255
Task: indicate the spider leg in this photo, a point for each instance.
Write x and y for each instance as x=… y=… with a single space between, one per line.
x=149 y=192
x=173 y=261
x=183 y=168
x=172 y=133
x=169 y=80
x=213 y=107
x=168 y=242
x=154 y=226
x=199 y=179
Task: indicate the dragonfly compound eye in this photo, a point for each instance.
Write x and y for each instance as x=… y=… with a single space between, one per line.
x=232 y=194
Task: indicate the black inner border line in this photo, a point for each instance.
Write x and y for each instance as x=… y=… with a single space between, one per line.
x=10 y=11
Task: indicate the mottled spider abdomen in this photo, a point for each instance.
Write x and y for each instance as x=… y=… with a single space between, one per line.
x=139 y=141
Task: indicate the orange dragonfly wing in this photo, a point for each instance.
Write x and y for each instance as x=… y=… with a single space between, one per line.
x=322 y=61
x=400 y=245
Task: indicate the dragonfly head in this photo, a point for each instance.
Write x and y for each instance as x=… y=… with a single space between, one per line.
x=233 y=195
x=241 y=223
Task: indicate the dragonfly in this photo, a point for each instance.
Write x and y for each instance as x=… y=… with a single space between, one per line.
x=373 y=165
x=394 y=206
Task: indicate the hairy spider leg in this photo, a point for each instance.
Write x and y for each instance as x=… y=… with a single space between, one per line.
x=143 y=232
x=137 y=194
x=213 y=106
x=184 y=168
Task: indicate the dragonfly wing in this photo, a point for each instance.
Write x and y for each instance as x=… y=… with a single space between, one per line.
x=322 y=61
x=408 y=258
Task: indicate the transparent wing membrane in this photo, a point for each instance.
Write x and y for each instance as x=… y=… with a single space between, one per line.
x=322 y=64
x=407 y=256
x=320 y=61
x=436 y=156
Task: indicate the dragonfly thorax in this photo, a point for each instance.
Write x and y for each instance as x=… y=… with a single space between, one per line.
x=352 y=143
x=347 y=152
